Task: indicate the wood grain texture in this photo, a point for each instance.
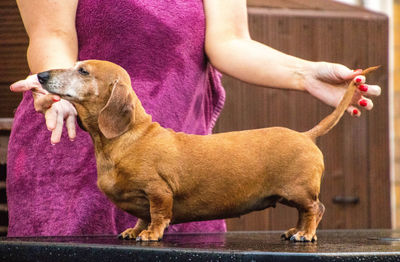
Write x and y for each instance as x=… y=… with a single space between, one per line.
x=356 y=150
x=13 y=45
x=322 y=5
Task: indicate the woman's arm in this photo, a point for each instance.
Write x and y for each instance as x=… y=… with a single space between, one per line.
x=232 y=51
x=53 y=44
x=50 y=26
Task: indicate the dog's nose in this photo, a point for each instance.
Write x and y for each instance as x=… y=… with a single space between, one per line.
x=43 y=77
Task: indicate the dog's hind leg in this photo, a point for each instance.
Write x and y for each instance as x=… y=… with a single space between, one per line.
x=288 y=234
x=310 y=215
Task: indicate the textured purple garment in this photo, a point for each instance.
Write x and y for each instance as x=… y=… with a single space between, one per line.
x=52 y=189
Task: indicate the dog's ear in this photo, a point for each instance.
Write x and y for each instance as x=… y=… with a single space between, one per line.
x=116 y=116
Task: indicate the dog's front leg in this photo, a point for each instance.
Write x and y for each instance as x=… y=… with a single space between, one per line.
x=160 y=213
x=132 y=233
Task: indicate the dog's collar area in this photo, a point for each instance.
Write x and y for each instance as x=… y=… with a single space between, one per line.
x=80 y=124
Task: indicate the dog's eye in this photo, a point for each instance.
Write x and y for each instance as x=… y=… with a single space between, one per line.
x=82 y=71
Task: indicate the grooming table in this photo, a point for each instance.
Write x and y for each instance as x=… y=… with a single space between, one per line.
x=354 y=245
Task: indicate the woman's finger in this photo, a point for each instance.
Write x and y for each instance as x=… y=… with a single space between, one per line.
x=51 y=119
x=44 y=102
x=31 y=82
x=366 y=103
x=71 y=128
x=20 y=86
x=56 y=133
x=354 y=111
x=359 y=80
x=370 y=90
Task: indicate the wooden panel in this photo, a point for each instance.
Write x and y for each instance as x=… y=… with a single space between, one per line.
x=13 y=66
x=13 y=43
x=3 y=198
x=378 y=137
x=328 y=39
x=354 y=157
x=301 y=4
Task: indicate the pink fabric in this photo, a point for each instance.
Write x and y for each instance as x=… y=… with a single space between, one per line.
x=52 y=189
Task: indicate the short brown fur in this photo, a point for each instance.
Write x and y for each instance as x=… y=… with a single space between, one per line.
x=164 y=177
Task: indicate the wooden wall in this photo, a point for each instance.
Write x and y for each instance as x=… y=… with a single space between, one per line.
x=13 y=66
x=396 y=99
x=357 y=150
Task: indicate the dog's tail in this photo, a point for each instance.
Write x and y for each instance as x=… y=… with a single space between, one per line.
x=331 y=120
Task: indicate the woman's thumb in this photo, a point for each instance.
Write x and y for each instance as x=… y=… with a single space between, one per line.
x=24 y=85
x=348 y=74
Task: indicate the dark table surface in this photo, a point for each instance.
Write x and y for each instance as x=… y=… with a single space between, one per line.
x=354 y=245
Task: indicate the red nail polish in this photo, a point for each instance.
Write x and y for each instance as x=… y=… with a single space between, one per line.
x=56 y=99
x=363 y=88
x=355 y=112
x=363 y=102
x=358 y=80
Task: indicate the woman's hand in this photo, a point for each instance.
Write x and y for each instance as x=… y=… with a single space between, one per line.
x=53 y=44
x=328 y=82
x=55 y=110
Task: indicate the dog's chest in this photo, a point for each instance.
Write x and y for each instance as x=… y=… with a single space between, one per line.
x=106 y=184
x=128 y=198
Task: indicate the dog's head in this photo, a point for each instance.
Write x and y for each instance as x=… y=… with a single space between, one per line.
x=101 y=92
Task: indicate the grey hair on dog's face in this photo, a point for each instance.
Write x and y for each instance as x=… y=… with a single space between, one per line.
x=100 y=91
x=69 y=83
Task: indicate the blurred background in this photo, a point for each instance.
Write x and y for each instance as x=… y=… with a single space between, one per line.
x=361 y=185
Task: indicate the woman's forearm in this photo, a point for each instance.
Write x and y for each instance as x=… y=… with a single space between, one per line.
x=50 y=26
x=255 y=63
x=230 y=49
x=52 y=52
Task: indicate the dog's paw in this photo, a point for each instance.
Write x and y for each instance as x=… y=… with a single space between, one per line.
x=148 y=235
x=301 y=236
x=130 y=233
x=288 y=234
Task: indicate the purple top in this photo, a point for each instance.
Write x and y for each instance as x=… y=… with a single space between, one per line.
x=52 y=190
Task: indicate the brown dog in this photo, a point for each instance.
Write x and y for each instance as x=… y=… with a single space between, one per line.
x=163 y=177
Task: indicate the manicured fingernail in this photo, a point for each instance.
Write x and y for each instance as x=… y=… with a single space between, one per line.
x=56 y=99
x=355 y=112
x=363 y=102
x=358 y=80
x=363 y=88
